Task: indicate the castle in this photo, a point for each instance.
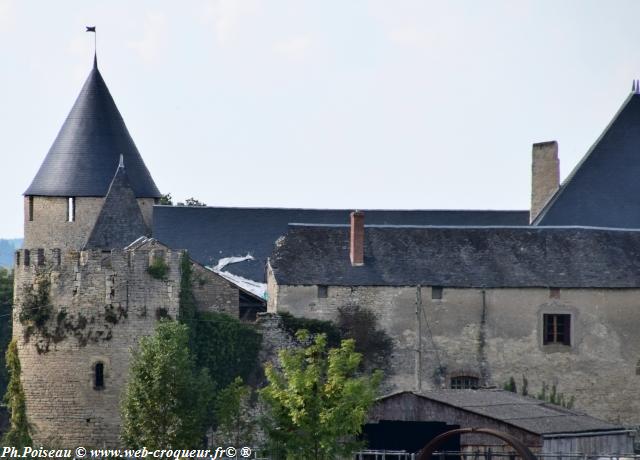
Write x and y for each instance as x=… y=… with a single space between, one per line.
x=471 y=298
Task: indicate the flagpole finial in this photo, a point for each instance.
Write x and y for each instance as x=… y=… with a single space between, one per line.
x=95 y=45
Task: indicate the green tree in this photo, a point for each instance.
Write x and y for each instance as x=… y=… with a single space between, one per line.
x=18 y=434
x=6 y=301
x=318 y=403
x=166 y=400
x=236 y=426
x=166 y=200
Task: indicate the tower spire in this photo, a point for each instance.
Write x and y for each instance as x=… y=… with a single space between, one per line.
x=95 y=45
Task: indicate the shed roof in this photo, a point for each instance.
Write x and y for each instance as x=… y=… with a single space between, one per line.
x=603 y=190
x=214 y=233
x=523 y=412
x=491 y=257
x=86 y=151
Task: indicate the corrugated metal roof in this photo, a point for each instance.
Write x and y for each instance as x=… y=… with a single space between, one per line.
x=86 y=152
x=524 y=412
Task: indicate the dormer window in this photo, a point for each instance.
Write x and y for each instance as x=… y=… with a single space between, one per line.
x=71 y=209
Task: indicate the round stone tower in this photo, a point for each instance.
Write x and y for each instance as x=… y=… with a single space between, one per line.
x=83 y=294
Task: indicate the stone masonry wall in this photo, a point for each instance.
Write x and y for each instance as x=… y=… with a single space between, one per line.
x=50 y=229
x=110 y=302
x=214 y=293
x=501 y=336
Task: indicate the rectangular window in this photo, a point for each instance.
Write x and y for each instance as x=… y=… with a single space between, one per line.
x=56 y=256
x=436 y=292
x=557 y=329
x=464 y=382
x=40 y=255
x=30 y=209
x=71 y=209
x=27 y=257
x=323 y=291
x=17 y=258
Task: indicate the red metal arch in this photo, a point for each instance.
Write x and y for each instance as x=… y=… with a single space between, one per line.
x=525 y=453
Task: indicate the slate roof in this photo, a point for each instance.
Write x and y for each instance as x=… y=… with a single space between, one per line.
x=86 y=151
x=603 y=190
x=212 y=233
x=527 y=413
x=120 y=220
x=491 y=257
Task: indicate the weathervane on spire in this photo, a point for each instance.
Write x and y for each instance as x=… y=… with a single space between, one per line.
x=95 y=44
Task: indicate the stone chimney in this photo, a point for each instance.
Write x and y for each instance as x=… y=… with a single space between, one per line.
x=356 y=247
x=545 y=175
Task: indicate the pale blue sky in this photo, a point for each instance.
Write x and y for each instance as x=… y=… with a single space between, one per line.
x=346 y=104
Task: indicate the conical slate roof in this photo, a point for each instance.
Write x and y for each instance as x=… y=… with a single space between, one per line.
x=604 y=188
x=120 y=221
x=83 y=157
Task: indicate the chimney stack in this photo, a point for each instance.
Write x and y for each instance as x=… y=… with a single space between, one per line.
x=356 y=247
x=545 y=175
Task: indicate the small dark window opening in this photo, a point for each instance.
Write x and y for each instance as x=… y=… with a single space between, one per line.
x=27 y=257
x=99 y=377
x=40 y=255
x=71 y=209
x=465 y=382
x=554 y=293
x=323 y=291
x=17 y=258
x=30 y=209
x=557 y=329
x=436 y=292
x=56 y=256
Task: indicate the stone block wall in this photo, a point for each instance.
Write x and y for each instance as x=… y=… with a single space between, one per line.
x=496 y=334
x=49 y=227
x=109 y=302
x=214 y=293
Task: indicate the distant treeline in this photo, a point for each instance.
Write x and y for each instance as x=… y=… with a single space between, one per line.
x=7 y=248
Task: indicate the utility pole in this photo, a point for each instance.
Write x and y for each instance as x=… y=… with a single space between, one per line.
x=418 y=366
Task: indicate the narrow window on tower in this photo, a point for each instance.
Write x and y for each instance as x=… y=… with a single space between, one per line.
x=30 y=211
x=71 y=209
x=98 y=383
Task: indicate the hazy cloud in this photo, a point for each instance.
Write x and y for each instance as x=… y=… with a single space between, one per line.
x=7 y=15
x=227 y=17
x=295 y=47
x=153 y=39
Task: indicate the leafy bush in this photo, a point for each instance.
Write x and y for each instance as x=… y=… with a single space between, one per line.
x=226 y=347
x=158 y=269
x=292 y=324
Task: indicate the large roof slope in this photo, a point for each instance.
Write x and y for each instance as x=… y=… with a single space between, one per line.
x=211 y=234
x=604 y=189
x=461 y=257
x=527 y=413
x=87 y=149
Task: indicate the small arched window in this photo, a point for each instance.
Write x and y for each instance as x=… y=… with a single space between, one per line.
x=464 y=382
x=98 y=381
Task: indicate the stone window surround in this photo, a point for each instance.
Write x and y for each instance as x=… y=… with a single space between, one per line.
x=558 y=309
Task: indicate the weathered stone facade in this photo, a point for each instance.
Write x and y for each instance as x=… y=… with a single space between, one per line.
x=495 y=334
x=46 y=222
x=109 y=301
x=214 y=293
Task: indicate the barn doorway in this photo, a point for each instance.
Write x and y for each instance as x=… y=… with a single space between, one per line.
x=407 y=436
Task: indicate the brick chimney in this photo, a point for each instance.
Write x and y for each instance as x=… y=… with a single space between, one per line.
x=545 y=175
x=356 y=247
